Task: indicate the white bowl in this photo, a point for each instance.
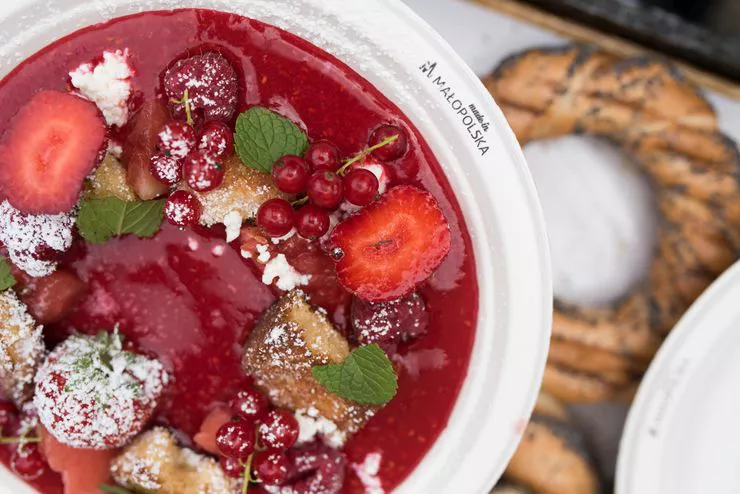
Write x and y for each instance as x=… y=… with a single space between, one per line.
x=387 y=44
x=682 y=434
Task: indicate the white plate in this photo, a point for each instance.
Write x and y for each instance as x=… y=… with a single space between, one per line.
x=388 y=44
x=683 y=433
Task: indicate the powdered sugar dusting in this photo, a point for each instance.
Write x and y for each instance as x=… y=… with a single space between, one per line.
x=29 y=238
x=312 y=424
x=21 y=348
x=90 y=393
x=107 y=84
x=367 y=472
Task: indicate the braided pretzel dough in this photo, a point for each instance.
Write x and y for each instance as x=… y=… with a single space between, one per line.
x=648 y=109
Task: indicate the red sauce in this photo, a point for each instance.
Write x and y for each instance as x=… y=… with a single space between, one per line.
x=175 y=299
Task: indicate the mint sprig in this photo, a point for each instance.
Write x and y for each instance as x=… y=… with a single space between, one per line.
x=262 y=136
x=7 y=280
x=366 y=376
x=101 y=219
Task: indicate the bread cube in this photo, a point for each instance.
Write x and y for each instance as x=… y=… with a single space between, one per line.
x=290 y=339
x=109 y=180
x=21 y=348
x=156 y=463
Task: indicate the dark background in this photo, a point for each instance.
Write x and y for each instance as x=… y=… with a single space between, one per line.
x=705 y=33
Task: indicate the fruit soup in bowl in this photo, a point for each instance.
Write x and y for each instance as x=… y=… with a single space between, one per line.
x=244 y=252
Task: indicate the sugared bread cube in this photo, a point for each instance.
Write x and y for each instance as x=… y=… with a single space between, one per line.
x=109 y=180
x=243 y=191
x=21 y=348
x=286 y=344
x=155 y=462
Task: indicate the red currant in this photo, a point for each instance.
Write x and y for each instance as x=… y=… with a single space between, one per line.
x=166 y=168
x=8 y=415
x=290 y=174
x=176 y=139
x=360 y=186
x=322 y=155
x=250 y=405
x=182 y=208
x=276 y=217
x=279 y=430
x=393 y=150
x=236 y=439
x=270 y=468
x=27 y=462
x=202 y=173
x=232 y=467
x=312 y=222
x=325 y=189
x=216 y=140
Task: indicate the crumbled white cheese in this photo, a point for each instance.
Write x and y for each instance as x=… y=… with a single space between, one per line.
x=286 y=278
x=264 y=253
x=233 y=224
x=107 y=84
x=246 y=254
x=115 y=149
x=312 y=424
x=367 y=472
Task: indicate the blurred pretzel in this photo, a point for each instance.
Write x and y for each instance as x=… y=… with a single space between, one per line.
x=648 y=109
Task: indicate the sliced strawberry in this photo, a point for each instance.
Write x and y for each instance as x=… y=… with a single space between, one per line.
x=52 y=144
x=205 y=438
x=82 y=469
x=392 y=245
x=51 y=298
x=140 y=146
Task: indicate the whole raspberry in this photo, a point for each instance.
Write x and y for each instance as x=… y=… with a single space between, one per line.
x=313 y=468
x=90 y=393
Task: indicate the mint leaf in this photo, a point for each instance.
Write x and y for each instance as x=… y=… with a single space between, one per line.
x=7 y=279
x=113 y=489
x=366 y=376
x=262 y=136
x=101 y=219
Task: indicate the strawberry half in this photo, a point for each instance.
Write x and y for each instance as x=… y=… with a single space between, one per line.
x=392 y=245
x=51 y=145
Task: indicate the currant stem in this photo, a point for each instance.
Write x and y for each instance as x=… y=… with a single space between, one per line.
x=299 y=202
x=19 y=440
x=185 y=101
x=364 y=153
x=247 y=474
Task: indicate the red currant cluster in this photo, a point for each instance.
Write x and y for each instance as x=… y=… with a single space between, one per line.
x=26 y=460
x=195 y=158
x=326 y=182
x=253 y=445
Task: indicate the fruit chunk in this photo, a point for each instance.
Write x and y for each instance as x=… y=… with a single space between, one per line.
x=315 y=468
x=387 y=323
x=154 y=462
x=90 y=393
x=82 y=470
x=211 y=84
x=52 y=144
x=392 y=245
x=22 y=348
x=51 y=298
x=206 y=436
x=291 y=338
x=140 y=146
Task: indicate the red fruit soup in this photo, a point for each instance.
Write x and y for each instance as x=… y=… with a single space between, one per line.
x=190 y=299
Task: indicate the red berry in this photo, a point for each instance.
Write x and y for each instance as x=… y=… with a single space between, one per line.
x=166 y=168
x=312 y=221
x=325 y=189
x=279 y=430
x=8 y=416
x=202 y=173
x=276 y=217
x=393 y=150
x=176 y=139
x=139 y=147
x=270 y=468
x=27 y=462
x=232 y=467
x=236 y=439
x=216 y=140
x=323 y=155
x=249 y=404
x=360 y=186
x=290 y=174
x=387 y=323
x=182 y=208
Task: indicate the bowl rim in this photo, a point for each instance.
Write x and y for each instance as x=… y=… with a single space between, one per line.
x=490 y=414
